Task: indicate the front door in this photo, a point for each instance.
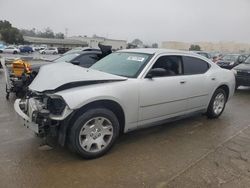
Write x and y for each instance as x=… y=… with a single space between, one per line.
x=163 y=96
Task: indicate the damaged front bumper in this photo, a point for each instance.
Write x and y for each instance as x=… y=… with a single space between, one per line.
x=40 y=116
x=27 y=120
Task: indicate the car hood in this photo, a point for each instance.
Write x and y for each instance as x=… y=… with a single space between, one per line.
x=243 y=66
x=60 y=76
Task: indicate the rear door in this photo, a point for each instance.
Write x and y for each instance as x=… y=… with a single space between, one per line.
x=197 y=82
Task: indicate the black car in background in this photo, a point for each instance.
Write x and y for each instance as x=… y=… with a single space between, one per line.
x=62 y=50
x=231 y=60
x=80 y=58
x=83 y=58
x=204 y=54
x=243 y=73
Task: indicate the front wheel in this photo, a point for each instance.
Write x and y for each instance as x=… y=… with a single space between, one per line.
x=94 y=133
x=217 y=104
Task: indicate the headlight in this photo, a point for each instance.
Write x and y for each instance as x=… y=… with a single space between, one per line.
x=56 y=105
x=232 y=63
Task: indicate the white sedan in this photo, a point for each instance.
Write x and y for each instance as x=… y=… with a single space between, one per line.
x=51 y=50
x=11 y=49
x=126 y=90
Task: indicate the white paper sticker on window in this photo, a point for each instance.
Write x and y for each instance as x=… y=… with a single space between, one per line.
x=134 y=58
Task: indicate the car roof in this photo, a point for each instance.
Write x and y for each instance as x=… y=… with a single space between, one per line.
x=155 y=51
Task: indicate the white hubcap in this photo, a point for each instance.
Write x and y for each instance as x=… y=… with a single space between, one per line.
x=96 y=134
x=219 y=103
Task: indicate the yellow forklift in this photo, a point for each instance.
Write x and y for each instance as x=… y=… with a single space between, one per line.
x=17 y=76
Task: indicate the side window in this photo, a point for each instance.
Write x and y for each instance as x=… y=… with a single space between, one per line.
x=192 y=65
x=171 y=65
x=87 y=60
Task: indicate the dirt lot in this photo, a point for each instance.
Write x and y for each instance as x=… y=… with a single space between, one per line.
x=194 y=152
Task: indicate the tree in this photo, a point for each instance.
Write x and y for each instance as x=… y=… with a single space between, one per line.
x=195 y=47
x=154 y=45
x=137 y=42
x=47 y=33
x=10 y=34
x=59 y=35
x=27 y=32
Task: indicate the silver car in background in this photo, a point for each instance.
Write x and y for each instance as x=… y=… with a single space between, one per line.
x=126 y=90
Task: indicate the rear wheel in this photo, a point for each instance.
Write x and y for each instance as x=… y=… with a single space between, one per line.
x=15 y=52
x=217 y=104
x=94 y=133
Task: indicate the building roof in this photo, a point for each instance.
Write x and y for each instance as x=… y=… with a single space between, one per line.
x=96 y=38
x=154 y=50
x=53 y=41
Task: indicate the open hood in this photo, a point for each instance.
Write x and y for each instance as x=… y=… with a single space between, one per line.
x=60 y=76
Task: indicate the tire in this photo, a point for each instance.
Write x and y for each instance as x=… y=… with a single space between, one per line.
x=15 y=52
x=85 y=128
x=54 y=53
x=7 y=96
x=236 y=87
x=217 y=103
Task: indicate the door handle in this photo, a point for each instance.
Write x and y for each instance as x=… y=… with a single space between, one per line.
x=182 y=82
x=213 y=78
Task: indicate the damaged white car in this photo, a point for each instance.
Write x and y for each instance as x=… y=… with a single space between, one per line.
x=126 y=90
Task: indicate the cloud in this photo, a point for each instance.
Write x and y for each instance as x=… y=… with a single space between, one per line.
x=158 y=20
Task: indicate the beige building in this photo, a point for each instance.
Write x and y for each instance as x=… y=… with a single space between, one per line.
x=209 y=46
x=94 y=41
x=68 y=43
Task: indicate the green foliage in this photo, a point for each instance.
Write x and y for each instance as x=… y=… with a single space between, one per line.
x=9 y=34
x=59 y=35
x=154 y=45
x=195 y=47
x=46 y=33
x=137 y=42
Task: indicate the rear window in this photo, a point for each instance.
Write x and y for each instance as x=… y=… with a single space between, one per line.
x=192 y=65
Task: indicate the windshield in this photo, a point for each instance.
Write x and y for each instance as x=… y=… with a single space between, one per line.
x=122 y=63
x=230 y=58
x=66 y=58
x=247 y=61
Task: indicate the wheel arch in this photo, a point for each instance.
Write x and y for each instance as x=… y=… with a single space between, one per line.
x=111 y=105
x=225 y=88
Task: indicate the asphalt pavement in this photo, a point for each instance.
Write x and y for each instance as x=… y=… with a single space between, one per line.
x=193 y=152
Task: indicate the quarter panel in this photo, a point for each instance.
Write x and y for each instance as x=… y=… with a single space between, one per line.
x=124 y=93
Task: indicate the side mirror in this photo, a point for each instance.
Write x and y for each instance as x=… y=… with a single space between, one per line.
x=75 y=62
x=156 y=72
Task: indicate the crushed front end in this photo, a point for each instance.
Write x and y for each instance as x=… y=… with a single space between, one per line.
x=42 y=113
